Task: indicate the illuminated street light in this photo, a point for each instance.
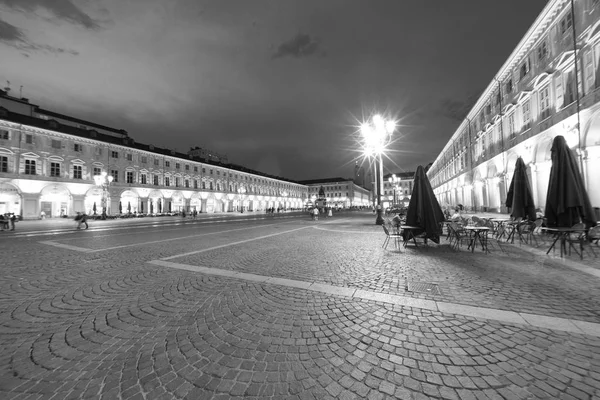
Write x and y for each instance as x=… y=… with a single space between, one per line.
x=103 y=181
x=395 y=183
x=377 y=134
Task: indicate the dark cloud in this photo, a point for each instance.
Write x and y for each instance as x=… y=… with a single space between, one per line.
x=14 y=37
x=302 y=45
x=458 y=109
x=10 y=33
x=62 y=9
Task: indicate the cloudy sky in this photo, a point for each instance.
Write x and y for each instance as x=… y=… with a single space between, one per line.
x=277 y=85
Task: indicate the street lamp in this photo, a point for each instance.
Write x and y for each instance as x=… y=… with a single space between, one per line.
x=377 y=134
x=103 y=180
x=395 y=183
x=242 y=191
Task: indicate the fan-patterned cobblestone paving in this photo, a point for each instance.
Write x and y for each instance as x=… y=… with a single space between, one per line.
x=110 y=325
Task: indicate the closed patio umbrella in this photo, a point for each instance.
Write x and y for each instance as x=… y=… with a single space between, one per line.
x=151 y=208
x=159 y=206
x=520 y=197
x=120 y=208
x=567 y=201
x=129 y=207
x=424 y=210
x=94 y=208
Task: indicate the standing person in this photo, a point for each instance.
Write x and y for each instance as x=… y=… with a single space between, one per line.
x=13 y=219
x=315 y=212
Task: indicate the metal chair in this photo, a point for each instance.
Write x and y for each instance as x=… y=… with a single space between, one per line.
x=389 y=235
x=459 y=235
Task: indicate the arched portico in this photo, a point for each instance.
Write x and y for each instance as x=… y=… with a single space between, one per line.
x=55 y=200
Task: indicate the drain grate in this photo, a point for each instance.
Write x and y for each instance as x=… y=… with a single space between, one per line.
x=421 y=287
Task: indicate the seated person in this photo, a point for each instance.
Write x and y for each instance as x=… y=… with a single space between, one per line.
x=456 y=216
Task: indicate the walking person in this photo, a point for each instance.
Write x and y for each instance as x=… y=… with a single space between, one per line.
x=13 y=219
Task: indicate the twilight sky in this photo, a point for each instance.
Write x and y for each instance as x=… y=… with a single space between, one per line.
x=278 y=85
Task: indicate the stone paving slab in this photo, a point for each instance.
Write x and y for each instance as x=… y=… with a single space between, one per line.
x=510 y=279
x=111 y=325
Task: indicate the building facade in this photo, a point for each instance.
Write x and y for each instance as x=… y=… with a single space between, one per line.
x=48 y=162
x=549 y=86
x=339 y=192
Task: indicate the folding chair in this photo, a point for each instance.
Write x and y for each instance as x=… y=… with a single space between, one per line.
x=525 y=231
x=578 y=237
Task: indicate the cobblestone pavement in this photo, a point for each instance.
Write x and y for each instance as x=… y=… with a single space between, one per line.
x=96 y=319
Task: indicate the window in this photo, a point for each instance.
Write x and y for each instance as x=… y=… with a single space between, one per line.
x=525 y=67
x=566 y=23
x=203 y=170
x=187 y=183
x=195 y=184
x=143 y=178
x=78 y=147
x=3 y=164
x=114 y=154
x=98 y=151
x=203 y=185
x=129 y=157
x=545 y=102
x=511 y=125
x=218 y=172
x=29 y=167
x=4 y=134
x=210 y=186
x=54 y=169
x=97 y=171
x=542 y=51
x=155 y=180
x=488 y=109
x=115 y=174
x=195 y=169
x=589 y=71
x=211 y=171
x=29 y=139
x=167 y=181
x=177 y=181
x=144 y=159
x=77 y=173
x=167 y=163
x=56 y=144
x=187 y=167
x=129 y=176
x=526 y=115
x=177 y=165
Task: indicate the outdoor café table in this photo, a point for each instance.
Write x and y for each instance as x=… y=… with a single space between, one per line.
x=479 y=233
x=562 y=233
x=410 y=233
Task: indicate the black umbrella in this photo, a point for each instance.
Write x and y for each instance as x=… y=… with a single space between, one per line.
x=94 y=208
x=120 y=208
x=151 y=208
x=567 y=201
x=159 y=206
x=142 y=206
x=520 y=197
x=424 y=210
x=129 y=207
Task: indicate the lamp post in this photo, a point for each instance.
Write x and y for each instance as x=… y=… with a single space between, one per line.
x=242 y=191
x=377 y=134
x=394 y=182
x=103 y=180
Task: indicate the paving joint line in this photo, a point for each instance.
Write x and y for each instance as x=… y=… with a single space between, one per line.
x=513 y=317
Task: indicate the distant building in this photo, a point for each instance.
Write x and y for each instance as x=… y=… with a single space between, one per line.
x=339 y=192
x=50 y=162
x=208 y=155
